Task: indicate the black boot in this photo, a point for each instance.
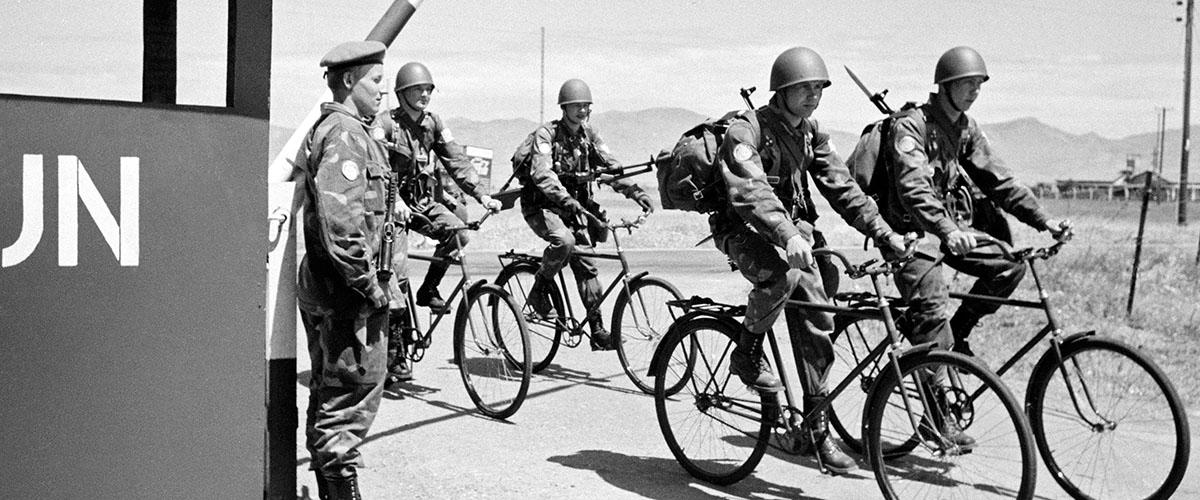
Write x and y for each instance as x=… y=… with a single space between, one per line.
x=748 y=363
x=322 y=486
x=539 y=298
x=343 y=488
x=961 y=325
x=944 y=430
x=397 y=353
x=427 y=294
x=601 y=340
x=823 y=447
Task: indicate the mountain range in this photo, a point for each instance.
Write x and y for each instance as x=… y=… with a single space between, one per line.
x=1035 y=151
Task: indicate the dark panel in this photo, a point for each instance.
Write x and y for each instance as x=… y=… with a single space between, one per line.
x=136 y=381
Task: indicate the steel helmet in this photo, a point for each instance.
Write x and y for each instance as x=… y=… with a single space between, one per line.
x=798 y=65
x=959 y=62
x=574 y=91
x=413 y=73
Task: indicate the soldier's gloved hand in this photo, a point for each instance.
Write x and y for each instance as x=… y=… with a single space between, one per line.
x=643 y=200
x=493 y=205
x=1061 y=230
x=799 y=252
x=960 y=242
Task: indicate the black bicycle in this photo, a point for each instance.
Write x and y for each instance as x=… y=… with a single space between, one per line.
x=718 y=428
x=491 y=339
x=640 y=313
x=1107 y=421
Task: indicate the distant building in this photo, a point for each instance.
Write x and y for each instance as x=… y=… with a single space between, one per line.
x=1126 y=186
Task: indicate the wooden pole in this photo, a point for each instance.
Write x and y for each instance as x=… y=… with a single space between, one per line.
x=1137 y=252
x=1187 y=103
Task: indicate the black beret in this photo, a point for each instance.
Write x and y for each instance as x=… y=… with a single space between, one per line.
x=354 y=54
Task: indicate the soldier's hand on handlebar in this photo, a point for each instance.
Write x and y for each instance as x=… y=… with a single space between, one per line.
x=643 y=200
x=491 y=204
x=960 y=242
x=799 y=252
x=1061 y=230
x=402 y=212
x=902 y=245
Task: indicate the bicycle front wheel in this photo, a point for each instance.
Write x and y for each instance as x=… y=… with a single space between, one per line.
x=491 y=347
x=640 y=320
x=1107 y=421
x=544 y=334
x=717 y=427
x=852 y=344
x=973 y=439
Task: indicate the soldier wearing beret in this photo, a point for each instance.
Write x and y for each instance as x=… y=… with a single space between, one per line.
x=343 y=305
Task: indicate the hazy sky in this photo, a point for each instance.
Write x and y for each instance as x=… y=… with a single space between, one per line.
x=1102 y=66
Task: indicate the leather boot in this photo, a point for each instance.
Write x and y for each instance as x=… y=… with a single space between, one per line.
x=397 y=354
x=539 y=298
x=601 y=340
x=427 y=294
x=944 y=428
x=748 y=363
x=961 y=325
x=322 y=486
x=823 y=446
x=343 y=488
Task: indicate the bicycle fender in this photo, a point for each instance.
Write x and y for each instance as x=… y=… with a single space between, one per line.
x=660 y=351
x=639 y=276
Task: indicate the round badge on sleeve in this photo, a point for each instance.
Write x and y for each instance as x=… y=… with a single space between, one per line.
x=742 y=152
x=350 y=170
x=907 y=144
x=543 y=148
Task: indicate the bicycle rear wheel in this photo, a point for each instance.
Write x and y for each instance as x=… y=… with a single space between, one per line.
x=640 y=320
x=938 y=389
x=717 y=427
x=1108 y=422
x=544 y=335
x=492 y=350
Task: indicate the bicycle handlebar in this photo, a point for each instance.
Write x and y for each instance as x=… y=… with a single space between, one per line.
x=874 y=267
x=1023 y=254
x=419 y=218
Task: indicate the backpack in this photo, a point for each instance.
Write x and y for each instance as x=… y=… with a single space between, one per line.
x=688 y=178
x=869 y=164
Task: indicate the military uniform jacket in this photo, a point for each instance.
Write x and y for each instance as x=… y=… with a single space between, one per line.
x=412 y=149
x=931 y=153
x=763 y=161
x=558 y=158
x=345 y=177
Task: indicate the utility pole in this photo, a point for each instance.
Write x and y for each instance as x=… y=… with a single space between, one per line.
x=1162 y=136
x=542 y=101
x=1187 y=103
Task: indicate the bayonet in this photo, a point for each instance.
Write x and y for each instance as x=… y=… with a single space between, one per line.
x=876 y=98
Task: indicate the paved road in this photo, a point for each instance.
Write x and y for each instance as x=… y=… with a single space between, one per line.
x=584 y=431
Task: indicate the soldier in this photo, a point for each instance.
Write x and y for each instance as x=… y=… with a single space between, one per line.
x=933 y=147
x=343 y=305
x=767 y=154
x=554 y=200
x=416 y=139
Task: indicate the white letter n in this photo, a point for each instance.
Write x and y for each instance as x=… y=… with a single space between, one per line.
x=75 y=184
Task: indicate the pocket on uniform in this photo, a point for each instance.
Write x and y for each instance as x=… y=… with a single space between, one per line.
x=377 y=182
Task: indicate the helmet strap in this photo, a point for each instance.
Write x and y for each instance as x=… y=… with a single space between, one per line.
x=409 y=109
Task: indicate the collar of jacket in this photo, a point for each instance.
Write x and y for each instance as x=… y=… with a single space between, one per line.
x=934 y=110
x=405 y=120
x=337 y=107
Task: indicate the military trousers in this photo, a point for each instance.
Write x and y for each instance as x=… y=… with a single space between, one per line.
x=563 y=239
x=349 y=356
x=923 y=285
x=773 y=283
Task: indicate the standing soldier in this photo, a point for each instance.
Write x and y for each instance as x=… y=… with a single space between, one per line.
x=556 y=198
x=767 y=154
x=416 y=139
x=343 y=305
x=934 y=146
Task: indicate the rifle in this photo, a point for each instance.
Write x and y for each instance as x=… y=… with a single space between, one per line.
x=876 y=98
x=610 y=174
x=383 y=268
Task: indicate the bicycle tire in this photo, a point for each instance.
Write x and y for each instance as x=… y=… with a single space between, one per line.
x=716 y=427
x=516 y=278
x=1000 y=464
x=489 y=333
x=639 y=326
x=1141 y=453
x=852 y=343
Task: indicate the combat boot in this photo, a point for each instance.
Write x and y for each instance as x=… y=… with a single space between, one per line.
x=322 y=486
x=823 y=447
x=601 y=340
x=539 y=298
x=944 y=428
x=961 y=325
x=343 y=488
x=748 y=363
x=428 y=295
x=397 y=353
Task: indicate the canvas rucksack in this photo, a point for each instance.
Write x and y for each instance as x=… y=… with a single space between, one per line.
x=688 y=178
x=869 y=164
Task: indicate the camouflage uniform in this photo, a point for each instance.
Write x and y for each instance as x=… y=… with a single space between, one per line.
x=553 y=199
x=765 y=162
x=931 y=153
x=342 y=305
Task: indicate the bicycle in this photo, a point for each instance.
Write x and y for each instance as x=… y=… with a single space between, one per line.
x=491 y=339
x=1107 y=421
x=640 y=314
x=718 y=428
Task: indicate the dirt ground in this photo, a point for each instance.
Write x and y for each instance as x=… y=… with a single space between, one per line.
x=584 y=432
